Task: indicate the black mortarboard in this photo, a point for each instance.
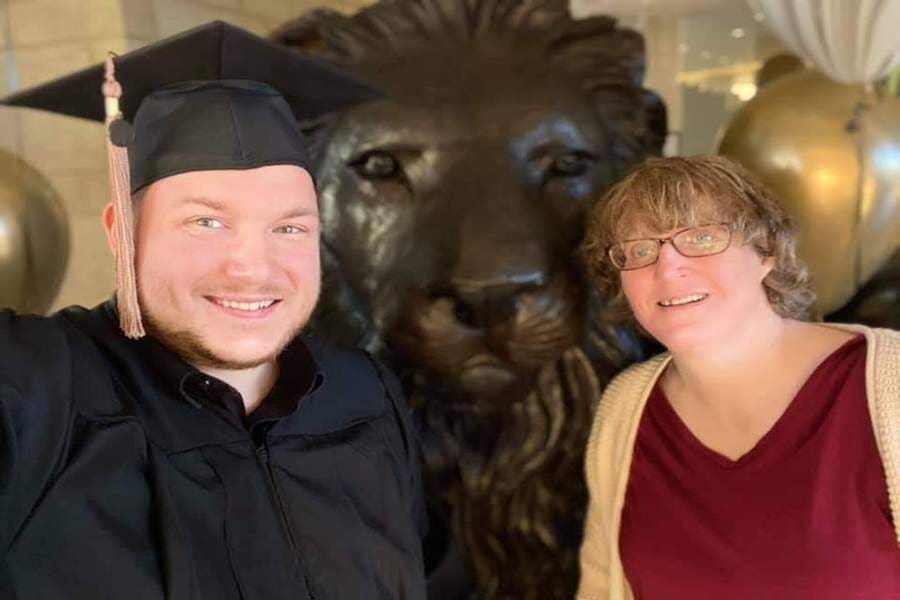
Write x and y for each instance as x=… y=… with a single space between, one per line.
x=215 y=97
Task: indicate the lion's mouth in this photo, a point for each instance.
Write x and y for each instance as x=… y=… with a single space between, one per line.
x=482 y=360
x=486 y=379
x=485 y=372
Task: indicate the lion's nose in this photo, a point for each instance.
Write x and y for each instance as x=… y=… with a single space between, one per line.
x=487 y=304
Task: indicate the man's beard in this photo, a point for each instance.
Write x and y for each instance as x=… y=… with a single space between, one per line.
x=191 y=348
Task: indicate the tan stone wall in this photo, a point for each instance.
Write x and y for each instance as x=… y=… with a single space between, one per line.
x=44 y=39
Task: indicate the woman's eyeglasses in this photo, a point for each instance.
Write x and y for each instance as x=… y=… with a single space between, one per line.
x=692 y=242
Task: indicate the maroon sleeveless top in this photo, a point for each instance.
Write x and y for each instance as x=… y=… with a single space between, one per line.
x=804 y=514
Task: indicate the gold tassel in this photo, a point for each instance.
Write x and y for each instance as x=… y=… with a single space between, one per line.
x=123 y=229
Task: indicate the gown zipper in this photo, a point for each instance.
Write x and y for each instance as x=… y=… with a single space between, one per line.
x=262 y=452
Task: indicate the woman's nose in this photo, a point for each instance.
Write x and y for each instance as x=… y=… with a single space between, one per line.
x=669 y=259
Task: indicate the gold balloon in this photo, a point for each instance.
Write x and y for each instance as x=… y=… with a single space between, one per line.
x=34 y=238
x=831 y=152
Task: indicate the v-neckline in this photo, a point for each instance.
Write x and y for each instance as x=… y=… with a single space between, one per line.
x=788 y=415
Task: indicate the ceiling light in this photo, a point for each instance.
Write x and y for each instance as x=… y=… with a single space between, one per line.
x=744 y=90
x=737 y=33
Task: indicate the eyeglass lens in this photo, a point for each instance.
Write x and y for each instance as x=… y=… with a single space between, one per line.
x=692 y=242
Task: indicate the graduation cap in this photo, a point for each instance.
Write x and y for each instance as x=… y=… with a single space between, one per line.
x=214 y=97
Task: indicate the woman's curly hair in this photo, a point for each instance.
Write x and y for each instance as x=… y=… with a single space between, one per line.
x=662 y=194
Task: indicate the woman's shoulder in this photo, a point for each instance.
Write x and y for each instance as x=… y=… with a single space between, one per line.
x=883 y=340
x=889 y=338
x=642 y=372
x=881 y=332
x=632 y=384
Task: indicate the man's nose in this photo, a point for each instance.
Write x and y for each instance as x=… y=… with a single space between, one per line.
x=247 y=255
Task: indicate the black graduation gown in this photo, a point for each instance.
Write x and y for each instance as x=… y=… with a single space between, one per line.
x=126 y=474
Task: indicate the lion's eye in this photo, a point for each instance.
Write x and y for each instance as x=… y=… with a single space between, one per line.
x=571 y=164
x=377 y=164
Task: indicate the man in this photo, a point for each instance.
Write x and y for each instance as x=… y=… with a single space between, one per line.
x=221 y=455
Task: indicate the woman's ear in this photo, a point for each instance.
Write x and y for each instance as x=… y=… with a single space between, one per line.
x=768 y=263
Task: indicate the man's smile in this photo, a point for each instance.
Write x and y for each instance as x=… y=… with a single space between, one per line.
x=246 y=306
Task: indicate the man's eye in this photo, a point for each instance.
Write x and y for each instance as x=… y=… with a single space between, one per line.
x=209 y=223
x=290 y=229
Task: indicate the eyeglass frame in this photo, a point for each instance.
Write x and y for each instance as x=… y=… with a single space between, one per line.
x=670 y=239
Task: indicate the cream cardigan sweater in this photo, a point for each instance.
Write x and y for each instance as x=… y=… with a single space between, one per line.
x=611 y=444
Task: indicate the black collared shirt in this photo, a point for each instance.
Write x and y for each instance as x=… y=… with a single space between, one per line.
x=298 y=376
x=126 y=473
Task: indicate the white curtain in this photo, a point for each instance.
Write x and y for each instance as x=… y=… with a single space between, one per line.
x=851 y=41
x=580 y=9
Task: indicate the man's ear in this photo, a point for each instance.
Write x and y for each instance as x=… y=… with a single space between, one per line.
x=109 y=221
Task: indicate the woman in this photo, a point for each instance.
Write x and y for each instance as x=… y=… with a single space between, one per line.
x=760 y=456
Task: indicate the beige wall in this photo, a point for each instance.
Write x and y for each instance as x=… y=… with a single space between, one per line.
x=663 y=37
x=44 y=39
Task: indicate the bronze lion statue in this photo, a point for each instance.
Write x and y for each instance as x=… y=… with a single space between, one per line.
x=452 y=211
